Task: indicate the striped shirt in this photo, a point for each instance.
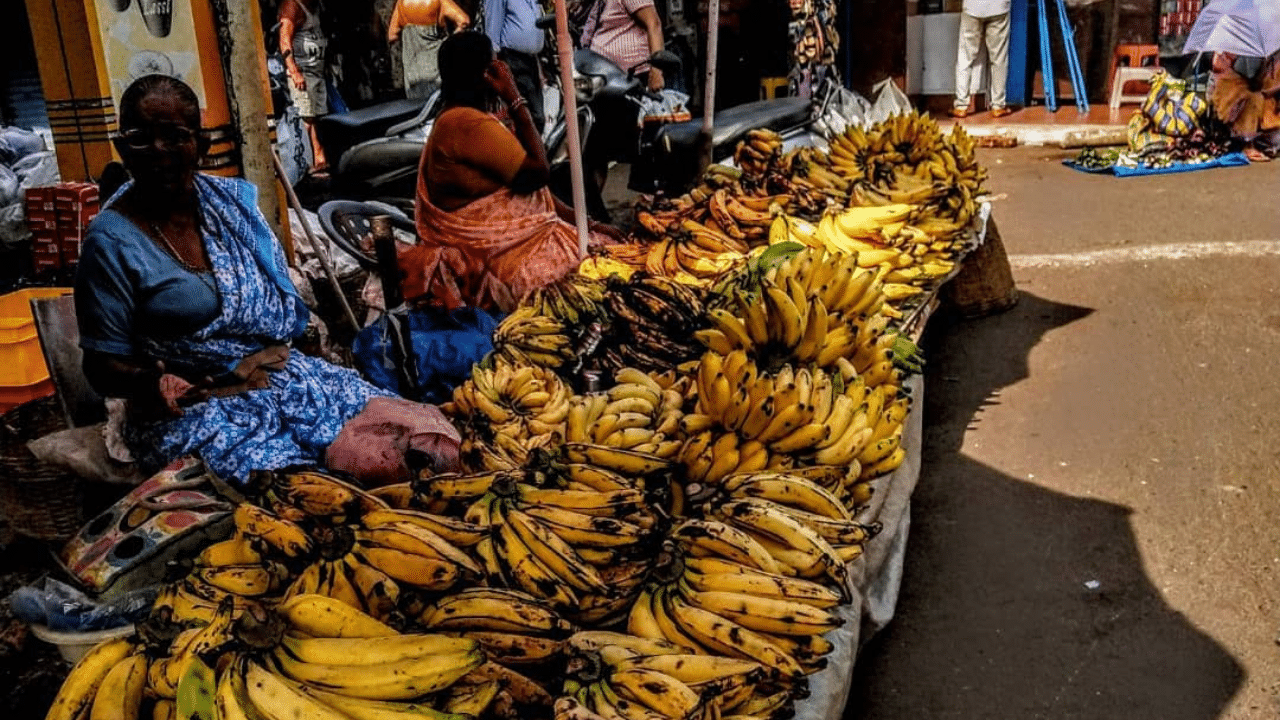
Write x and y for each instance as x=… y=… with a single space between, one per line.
x=614 y=33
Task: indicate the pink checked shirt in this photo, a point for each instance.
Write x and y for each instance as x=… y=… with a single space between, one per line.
x=615 y=34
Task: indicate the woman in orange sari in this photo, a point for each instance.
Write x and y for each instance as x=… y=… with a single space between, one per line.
x=489 y=230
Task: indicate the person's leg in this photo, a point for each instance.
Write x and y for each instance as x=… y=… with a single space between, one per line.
x=318 y=99
x=966 y=52
x=997 y=39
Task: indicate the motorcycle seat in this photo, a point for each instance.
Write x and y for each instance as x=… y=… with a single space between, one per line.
x=343 y=130
x=732 y=125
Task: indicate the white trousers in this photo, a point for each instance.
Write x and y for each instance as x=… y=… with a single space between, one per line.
x=973 y=30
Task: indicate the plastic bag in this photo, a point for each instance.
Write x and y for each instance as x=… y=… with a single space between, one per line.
x=17 y=143
x=673 y=107
x=446 y=344
x=37 y=170
x=13 y=226
x=10 y=186
x=890 y=101
x=1173 y=111
x=62 y=607
x=838 y=109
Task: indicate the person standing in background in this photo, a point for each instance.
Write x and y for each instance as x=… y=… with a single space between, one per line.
x=983 y=21
x=421 y=26
x=510 y=24
x=302 y=45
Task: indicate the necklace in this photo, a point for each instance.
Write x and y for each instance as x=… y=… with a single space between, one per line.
x=155 y=228
x=203 y=273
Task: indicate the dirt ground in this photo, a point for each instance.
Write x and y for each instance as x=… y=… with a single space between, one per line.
x=1095 y=534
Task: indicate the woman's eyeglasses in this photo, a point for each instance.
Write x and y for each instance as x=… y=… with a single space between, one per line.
x=168 y=135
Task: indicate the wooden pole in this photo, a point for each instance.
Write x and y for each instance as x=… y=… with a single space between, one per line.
x=706 y=142
x=564 y=48
x=250 y=107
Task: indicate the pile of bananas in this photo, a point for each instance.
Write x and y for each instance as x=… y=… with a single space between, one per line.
x=654 y=320
x=637 y=414
x=721 y=590
x=553 y=543
x=612 y=675
x=507 y=410
x=909 y=260
x=907 y=159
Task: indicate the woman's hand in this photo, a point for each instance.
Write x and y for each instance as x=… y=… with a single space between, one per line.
x=255 y=370
x=168 y=396
x=656 y=81
x=299 y=82
x=502 y=82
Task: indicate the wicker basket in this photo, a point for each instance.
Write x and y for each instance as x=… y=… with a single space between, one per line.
x=37 y=499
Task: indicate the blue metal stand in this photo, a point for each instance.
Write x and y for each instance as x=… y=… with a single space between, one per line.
x=1018 y=89
x=1073 y=60
x=1046 y=58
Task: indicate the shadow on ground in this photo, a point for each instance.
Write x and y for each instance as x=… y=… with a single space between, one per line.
x=995 y=618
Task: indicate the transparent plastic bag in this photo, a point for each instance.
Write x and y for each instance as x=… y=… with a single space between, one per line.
x=61 y=607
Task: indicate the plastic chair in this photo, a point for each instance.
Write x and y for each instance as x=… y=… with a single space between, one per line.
x=347 y=224
x=1127 y=75
x=769 y=87
x=1133 y=56
x=55 y=321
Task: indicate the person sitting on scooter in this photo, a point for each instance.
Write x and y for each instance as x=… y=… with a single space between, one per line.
x=488 y=226
x=628 y=32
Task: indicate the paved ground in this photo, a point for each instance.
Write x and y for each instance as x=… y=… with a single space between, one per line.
x=1096 y=534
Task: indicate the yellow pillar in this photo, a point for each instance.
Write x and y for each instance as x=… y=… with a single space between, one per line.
x=76 y=89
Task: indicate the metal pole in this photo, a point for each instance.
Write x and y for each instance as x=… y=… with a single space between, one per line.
x=564 y=48
x=311 y=238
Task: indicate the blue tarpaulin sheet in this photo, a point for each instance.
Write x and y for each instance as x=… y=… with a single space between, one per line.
x=1228 y=160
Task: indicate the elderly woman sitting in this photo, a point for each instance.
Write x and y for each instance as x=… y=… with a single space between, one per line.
x=186 y=312
x=489 y=229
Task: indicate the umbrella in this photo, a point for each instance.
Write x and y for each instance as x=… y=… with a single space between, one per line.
x=1242 y=27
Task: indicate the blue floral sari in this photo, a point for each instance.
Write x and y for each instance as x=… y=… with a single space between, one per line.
x=294 y=419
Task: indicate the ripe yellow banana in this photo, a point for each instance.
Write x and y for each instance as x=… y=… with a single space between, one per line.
x=275 y=698
x=119 y=696
x=325 y=617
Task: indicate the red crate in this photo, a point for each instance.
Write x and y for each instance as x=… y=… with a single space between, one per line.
x=76 y=219
x=46 y=258
x=42 y=221
x=69 y=194
x=39 y=199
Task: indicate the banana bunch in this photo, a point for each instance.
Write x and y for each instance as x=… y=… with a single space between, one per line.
x=726 y=686
x=510 y=408
x=551 y=543
x=193 y=600
x=694 y=254
x=759 y=153
x=512 y=627
x=785 y=498
x=720 y=590
x=529 y=337
x=311 y=495
x=636 y=414
x=654 y=321
x=907 y=159
x=601 y=267
x=908 y=259
x=843 y=481
x=576 y=300
x=173 y=659
x=611 y=682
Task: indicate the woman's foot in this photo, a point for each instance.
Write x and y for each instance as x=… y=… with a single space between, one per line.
x=1255 y=155
x=959 y=112
x=1001 y=111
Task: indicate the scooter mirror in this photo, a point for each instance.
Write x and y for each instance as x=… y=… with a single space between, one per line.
x=545 y=22
x=665 y=60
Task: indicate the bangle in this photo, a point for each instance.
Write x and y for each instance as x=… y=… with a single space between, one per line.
x=518 y=103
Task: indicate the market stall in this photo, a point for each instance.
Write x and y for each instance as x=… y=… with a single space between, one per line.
x=687 y=488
